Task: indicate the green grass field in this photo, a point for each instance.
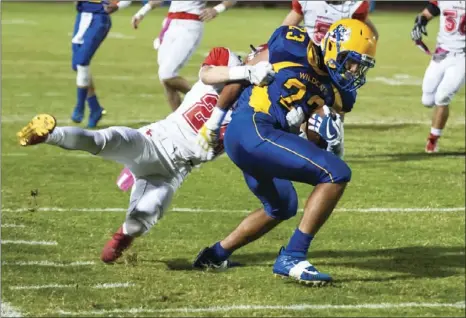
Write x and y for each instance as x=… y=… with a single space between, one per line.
x=395 y=246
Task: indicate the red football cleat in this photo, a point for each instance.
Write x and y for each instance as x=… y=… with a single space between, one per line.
x=115 y=247
x=432 y=145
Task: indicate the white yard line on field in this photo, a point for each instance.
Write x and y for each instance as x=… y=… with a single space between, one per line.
x=8 y=311
x=192 y=210
x=47 y=263
x=29 y=242
x=58 y=286
x=299 y=307
x=12 y=225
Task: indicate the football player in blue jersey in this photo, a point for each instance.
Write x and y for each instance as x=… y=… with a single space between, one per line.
x=311 y=82
x=90 y=29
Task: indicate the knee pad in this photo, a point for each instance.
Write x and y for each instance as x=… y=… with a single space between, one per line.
x=83 y=76
x=166 y=73
x=428 y=99
x=134 y=227
x=443 y=98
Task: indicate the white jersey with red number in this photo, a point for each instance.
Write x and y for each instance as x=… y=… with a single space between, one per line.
x=183 y=124
x=320 y=15
x=451 y=35
x=193 y=7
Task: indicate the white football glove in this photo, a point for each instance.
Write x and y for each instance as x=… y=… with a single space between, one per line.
x=207 y=137
x=295 y=118
x=339 y=148
x=261 y=74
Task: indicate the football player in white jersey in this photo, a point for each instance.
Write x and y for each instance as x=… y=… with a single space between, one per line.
x=160 y=155
x=180 y=36
x=318 y=16
x=445 y=74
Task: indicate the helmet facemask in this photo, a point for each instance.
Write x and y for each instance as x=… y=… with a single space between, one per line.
x=346 y=66
x=350 y=69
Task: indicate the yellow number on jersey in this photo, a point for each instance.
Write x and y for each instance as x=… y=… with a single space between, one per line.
x=293 y=83
x=315 y=101
x=296 y=34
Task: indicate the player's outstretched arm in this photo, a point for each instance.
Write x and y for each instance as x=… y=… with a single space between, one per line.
x=420 y=23
x=293 y=18
x=139 y=16
x=210 y=13
x=115 y=6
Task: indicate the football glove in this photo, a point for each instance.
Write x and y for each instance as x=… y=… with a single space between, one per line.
x=261 y=74
x=207 y=137
x=419 y=28
x=339 y=148
x=295 y=118
x=328 y=126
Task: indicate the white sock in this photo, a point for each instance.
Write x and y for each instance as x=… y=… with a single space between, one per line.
x=436 y=132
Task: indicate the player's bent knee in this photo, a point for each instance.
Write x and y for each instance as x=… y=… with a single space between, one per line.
x=428 y=100
x=134 y=227
x=83 y=76
x=341 y=174
x=443 y=99
x=166 y=74
x=287 y=209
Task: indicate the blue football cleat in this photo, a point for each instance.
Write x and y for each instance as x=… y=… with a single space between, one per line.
x=296 y=266
x=77 y=115
x=94 y=117
x=206 y=260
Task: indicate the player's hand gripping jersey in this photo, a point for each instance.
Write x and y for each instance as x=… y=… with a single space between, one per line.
x=301 y=80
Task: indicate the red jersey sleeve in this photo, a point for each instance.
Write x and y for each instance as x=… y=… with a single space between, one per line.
x=362 y=11
x=296 y=6
x=218 y=56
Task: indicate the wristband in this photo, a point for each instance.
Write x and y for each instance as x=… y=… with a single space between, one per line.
x=123 y=4
x=216 y=118
x=220 y=8
x=236 y=73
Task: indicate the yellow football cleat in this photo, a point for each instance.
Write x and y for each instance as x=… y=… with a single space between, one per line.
x=37 y=130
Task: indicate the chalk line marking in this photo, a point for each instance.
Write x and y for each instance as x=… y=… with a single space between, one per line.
x=59 y=286
x=29 y=242
x=12 y=225
x=47 y=263
x=299 y=307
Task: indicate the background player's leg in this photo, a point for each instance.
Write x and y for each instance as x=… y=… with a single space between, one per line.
x=432 y=78
x=92 y=38
x=179 y=43
x=453 y=79
x=80 y=28
x=150 y=199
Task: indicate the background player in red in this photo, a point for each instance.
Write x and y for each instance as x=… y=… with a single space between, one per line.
x=318 y=16
x=445 y=74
